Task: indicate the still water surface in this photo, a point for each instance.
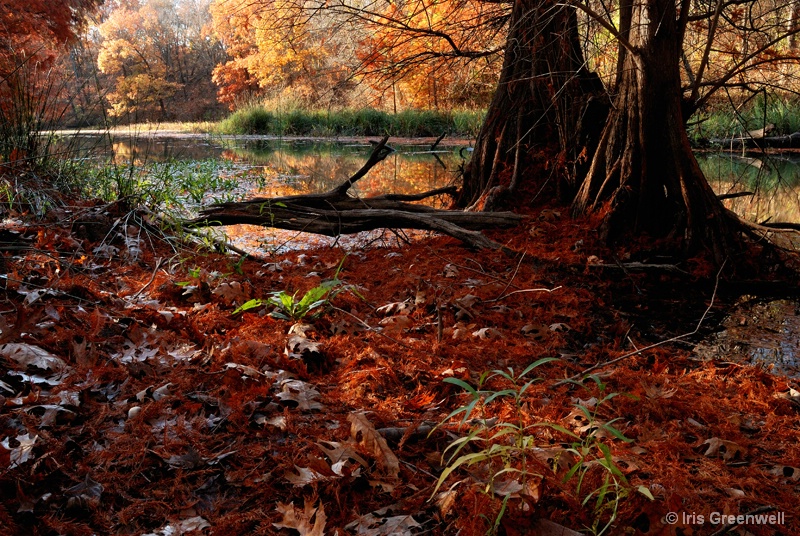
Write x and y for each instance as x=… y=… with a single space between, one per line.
x=767 y=333
x=283 y=165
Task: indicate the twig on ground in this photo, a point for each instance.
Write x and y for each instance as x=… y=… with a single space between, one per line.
x=514 y=275
x=655 y=345
x=370 y=328
x=482 y=272
x=159 y=263
x=522 y=291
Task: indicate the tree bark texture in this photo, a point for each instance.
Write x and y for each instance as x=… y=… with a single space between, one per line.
x=644 y=173
x=546 y=114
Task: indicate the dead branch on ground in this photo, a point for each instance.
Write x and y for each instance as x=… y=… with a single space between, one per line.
x=334 y=212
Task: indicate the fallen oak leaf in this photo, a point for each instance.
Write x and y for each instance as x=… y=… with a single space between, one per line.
x=339 y=454
x=535 y=331
x=300 y=347
x=487 y=333
x=21 y=452
x=230 y=292
x=374 y=443
x=721 y=447
x=396 y=324
x=395 y=308
x=370 y=525
x=785 y=471
x=32 y=356
x=300 y=393
x=302 y=476
x=301 y=520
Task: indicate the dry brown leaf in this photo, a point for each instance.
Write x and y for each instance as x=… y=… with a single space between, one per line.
x=365 y=434
x=302 y=476
x=535 y=331
x=549 y=215
x=656 y=391
x=395 y=308
x=339 y=454
x=556 y=458
x=230 y=292
x=468 y=301
x=785 y=471
x=300 y=347
x=487 y=333
x=396 y=324
x=301 y=520
x=445 y=500
x=32 y=356
x=728 y=450
x=460 y=330
x=301 y=393
x=300 y=328
x=343 y=327
x=23 y=450
x=370 y=525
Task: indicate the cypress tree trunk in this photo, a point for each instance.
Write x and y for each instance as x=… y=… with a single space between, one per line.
x=644 y=173
x=546 y=114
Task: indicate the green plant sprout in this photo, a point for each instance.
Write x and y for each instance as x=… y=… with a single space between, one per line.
x=590 y=451
x=507 y=447
x=504 y=446
x=311 y=305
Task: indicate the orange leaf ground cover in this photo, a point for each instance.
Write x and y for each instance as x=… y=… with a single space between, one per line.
x=135 y=402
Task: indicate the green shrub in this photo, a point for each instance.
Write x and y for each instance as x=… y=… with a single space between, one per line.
x=249 y=120
x=257 y=119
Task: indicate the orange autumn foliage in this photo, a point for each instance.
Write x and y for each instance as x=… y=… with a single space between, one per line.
x=421 y=55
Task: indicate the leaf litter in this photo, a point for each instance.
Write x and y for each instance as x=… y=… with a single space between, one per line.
x=135 y=402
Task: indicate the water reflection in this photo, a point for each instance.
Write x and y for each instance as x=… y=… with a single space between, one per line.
x=268 y=167
x=773 y=180
x=282 y=167
x=274 y=166
x=765 y=333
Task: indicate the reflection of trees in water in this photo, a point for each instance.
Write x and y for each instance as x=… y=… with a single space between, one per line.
x=277 y=167
x=139 y=149
x=774 y=181
x=321 y=168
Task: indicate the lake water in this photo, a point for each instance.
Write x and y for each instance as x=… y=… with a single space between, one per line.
x=767 y=333
x=282 y=165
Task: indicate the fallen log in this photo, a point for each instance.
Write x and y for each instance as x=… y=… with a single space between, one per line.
x=790 y=141
x=335 y=212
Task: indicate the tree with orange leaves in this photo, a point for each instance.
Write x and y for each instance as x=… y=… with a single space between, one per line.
x=276 y=48
x=161 y=54
x=430 y=54
x=32 y=35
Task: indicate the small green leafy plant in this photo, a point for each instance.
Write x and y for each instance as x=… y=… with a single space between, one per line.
x=504 y=446
x=311 y=305
x=589 y=450
x=506 y=449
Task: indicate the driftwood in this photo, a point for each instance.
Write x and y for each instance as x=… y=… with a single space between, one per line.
x=335 y=212
x=790 y=141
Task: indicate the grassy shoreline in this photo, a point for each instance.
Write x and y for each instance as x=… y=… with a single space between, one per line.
x=782 y=116
x=363 y=122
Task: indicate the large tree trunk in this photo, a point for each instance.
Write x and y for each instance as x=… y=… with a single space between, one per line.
x=644 y=174
x=545 y=117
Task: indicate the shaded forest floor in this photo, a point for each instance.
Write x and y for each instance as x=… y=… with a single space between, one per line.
x=135 y=402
